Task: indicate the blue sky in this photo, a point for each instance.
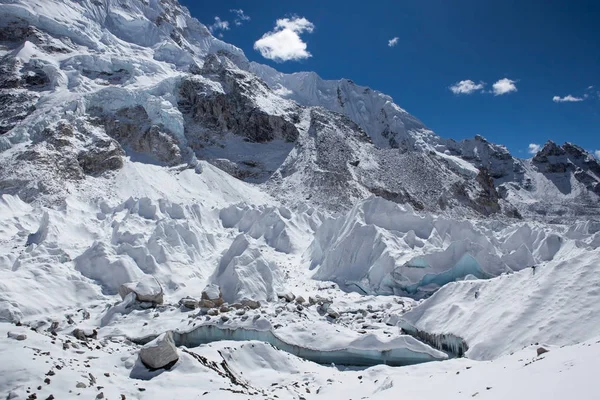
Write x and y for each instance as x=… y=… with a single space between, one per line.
x=545 y=49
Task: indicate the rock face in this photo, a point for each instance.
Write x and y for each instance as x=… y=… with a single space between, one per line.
x=160 y=353
x=232 y=108
x=146 y=290
x=105 y=155
x=132 y=127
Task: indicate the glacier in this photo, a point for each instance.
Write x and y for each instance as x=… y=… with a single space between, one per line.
x=338 y=228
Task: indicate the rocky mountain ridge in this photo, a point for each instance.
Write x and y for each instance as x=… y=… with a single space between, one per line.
x=83 y=88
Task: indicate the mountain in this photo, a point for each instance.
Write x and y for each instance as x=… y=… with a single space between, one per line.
x=162 y=197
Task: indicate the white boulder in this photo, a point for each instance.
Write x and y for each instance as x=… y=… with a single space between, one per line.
x=159 y=353
x=146 y=290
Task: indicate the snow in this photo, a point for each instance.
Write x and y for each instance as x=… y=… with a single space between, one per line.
x=372 y=286
x=256 y=368
x=552 y=304
x=388 y=248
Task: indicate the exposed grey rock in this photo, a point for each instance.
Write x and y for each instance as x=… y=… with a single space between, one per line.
x=189 y=302
x=233 y=111
x=224 y=309
x=252 y=304
x=204 y=303
x=84 y=334
x=287 y=296
x=104 y=155
x=541 y=350
x=159 y=353
x=132 y=127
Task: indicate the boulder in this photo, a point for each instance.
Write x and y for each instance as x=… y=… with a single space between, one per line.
x=224 y=309
x=189 y=302
x=300 y=300
x=251 y=304
x=146 y=290
x=204 y=303
x=84 y=334
x=17 y=336
x=287 y=296
x=160 y=353
x=541 y=350
x=213 y=293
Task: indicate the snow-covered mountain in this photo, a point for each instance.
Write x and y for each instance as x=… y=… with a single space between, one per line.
x=162 y=195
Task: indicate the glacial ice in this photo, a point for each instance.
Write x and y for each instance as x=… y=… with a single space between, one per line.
x=410 y=352
x=382 y=247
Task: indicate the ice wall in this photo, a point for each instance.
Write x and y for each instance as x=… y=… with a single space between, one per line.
x=365 y=356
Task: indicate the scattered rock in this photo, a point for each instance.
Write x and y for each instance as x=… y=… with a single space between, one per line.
x=541 y=350
x=160 y=353
x=224 y=318
x=80 y=385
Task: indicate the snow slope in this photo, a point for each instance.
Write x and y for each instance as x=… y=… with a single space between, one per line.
x=553 y=304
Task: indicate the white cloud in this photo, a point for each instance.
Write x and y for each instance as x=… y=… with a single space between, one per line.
x=240 y=17
x=534 y=148
x=284 y=42
x=597 y=154
x=567 y=99
x=504 y=86
x=219 y=25
x=393 y=41
x=466 y=87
